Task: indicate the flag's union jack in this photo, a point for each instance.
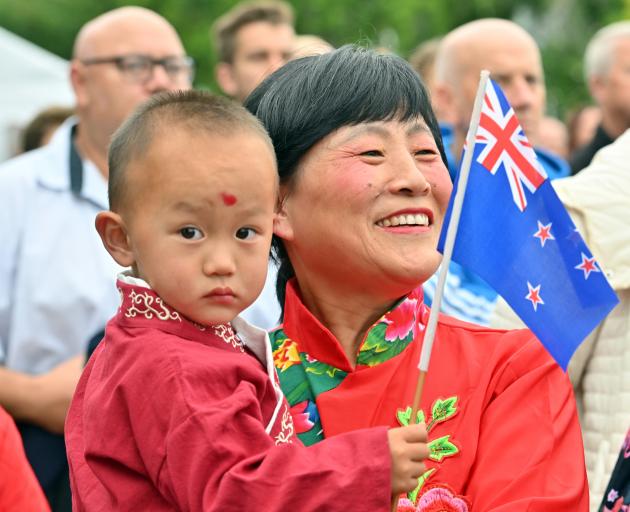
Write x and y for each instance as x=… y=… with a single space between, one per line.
x=507 y=148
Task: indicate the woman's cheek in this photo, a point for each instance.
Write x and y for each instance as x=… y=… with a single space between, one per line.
x=441 y=185
x=352 y=176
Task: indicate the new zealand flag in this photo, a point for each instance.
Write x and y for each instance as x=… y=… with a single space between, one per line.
x=516 y=234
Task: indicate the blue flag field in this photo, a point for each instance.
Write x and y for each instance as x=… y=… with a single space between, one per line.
x=516 y=234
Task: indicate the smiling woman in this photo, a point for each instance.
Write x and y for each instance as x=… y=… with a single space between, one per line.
x=364 y=188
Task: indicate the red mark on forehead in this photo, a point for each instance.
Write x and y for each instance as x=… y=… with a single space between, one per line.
x=228 y=199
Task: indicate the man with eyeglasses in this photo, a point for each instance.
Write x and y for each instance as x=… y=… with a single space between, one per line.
x=56 y=279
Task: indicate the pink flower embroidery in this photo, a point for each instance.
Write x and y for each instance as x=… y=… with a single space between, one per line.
x=417 y=294
x=405 y=505
x=612 y=495
x=301 y=418
x=401 y=321
x=441 y=499
x=435 y=499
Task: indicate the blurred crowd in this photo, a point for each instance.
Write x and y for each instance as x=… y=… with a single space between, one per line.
x=56 y=282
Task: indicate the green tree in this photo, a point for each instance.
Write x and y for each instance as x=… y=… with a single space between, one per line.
x=562 y=27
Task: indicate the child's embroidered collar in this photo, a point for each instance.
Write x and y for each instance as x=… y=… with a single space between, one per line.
x=140 y=305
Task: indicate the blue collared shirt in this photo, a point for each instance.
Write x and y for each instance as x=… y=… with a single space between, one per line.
x=57 y=281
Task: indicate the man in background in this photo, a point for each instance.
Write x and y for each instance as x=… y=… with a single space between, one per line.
x=553 y=136
x=513 y=59
x=606 y=65
x=41 y=128
x=56 y=279
x=252 y=40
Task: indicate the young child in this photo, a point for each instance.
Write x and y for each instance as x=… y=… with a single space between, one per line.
x=179 y=407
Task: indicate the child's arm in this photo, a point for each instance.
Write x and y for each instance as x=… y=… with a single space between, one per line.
x=221 y=459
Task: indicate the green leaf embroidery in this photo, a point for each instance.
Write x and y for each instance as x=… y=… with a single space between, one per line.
x=321 y=376
x=404 y=417
x=442 y=447
x=312 y=436
x=375 y=338
x=322 y=369
x=297 y=391
x=413 y=495
x=376 y=349
x=442 y=410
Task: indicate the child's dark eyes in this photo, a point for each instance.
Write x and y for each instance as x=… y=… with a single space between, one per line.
x=245 y=233
x=191 y=233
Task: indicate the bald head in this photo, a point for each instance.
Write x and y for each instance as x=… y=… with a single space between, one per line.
x=481 y=38
x=119 y=24
x=107 y=87
x=513 y=59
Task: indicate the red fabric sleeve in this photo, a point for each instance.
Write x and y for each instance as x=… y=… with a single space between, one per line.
x=220 y=458
x=529 y=440
x=19 y=489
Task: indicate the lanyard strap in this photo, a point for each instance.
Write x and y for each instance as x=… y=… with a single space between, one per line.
x=76 y=166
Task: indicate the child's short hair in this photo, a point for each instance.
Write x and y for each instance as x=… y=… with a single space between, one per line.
x=196 y=111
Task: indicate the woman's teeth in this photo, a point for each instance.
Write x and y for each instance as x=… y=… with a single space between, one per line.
x=417 y=219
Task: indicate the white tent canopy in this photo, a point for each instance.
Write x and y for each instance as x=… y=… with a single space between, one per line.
x=32 y=79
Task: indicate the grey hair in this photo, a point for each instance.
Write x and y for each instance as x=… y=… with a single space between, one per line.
x=599 y=51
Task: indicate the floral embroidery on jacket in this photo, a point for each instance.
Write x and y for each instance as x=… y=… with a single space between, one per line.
x=286 y=355
x=149 y=305
x=304 y=415
x=435 y=499
x=287 y=431
x=617 y=495
x=391 y=334
x=439 y=448
x=303 y=377
x=401 y=321
x=441 y=499
x=227 y=334
x=144 y=304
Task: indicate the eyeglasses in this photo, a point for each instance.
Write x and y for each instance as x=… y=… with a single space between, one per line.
x=139 y=68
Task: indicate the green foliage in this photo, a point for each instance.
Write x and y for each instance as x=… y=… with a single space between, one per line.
x=562 y=27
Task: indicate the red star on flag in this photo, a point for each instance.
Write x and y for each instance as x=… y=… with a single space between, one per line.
x=587 y=266
x=534 y=295
x=544 y=233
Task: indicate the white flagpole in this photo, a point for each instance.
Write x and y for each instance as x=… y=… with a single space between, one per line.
x=451 y=232
x=453 y=224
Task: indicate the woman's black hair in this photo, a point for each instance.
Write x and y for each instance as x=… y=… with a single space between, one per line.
x=309 y=98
